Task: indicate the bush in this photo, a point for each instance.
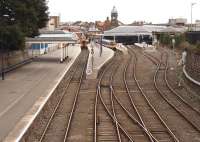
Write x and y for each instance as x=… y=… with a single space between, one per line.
x=12 y=38
x=198 y=44
x=184 y=44
x=179 y=38
x=165 y=39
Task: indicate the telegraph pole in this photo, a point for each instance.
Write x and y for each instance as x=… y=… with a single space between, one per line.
x=192 y=4
x=2 y=59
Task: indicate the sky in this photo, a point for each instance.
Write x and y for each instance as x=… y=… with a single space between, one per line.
x=155 y=11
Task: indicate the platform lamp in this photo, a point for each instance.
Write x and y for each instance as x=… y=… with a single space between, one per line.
x=192 y=4
x=101 y=44
x=5 y=16
x=2 y=58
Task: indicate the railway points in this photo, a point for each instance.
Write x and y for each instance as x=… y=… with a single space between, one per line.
x=124 y=103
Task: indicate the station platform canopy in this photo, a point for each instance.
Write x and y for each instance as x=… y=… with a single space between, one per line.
x=143 y=30
x=128 y=31
x=171 y=29
x=54 y=37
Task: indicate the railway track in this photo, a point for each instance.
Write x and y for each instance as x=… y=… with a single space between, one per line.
x=184 y=108
x=173 y=98
x=107 y=106
x=137 y=133
x=122 y=109
x=59 y=124
x=161 y=131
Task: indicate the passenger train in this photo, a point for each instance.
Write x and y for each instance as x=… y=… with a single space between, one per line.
x=107 y=43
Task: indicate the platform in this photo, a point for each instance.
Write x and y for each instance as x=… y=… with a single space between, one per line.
x=23 y=87
x=96 y=61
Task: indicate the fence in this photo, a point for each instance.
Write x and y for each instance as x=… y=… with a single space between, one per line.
x=193 y=65
x=11 y=60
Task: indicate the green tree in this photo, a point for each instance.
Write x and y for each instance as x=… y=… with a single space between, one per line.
x=165 y=39
x=179 y=38
x=22 y=18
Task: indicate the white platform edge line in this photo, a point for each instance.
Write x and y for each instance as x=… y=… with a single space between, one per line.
x=189 y=77
x=26 y=127
x=105 y=61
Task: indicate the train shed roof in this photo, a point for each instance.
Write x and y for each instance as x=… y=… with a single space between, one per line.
x=54 y=37
x=128 y=31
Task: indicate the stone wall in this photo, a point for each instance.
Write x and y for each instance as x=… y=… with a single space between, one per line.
x=193 y=65
x=14 y=57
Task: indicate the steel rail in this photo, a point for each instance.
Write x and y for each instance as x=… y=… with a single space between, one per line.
x=134 y=106
x=96 y=106
x=75 y=102
x=126 y=111
x=176 y=93
x=170 y=87
x=114 y=120
x=112 y=103
x=149 y=103
x=57 y=106
x=162 y=94
x=98 y=94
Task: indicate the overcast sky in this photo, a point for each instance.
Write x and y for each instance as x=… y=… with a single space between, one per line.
x=156 y=11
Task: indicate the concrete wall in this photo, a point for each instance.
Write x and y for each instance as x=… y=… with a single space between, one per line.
x=14 y=57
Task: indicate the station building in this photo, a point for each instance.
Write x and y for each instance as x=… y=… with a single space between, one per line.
x=49 y=41
x=129 y=35
x=139 y=34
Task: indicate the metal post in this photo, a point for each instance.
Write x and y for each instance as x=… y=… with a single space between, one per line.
x=2 y=65
x=64 y=51
x=2 y=58
x=40 y=48
x=64 y=55
x=61 y=57
x=92 y=52
x=32 y=50
x=192 y=4
x=191 y=18
x=67 y=50
x=101 y=48
x=63 y=48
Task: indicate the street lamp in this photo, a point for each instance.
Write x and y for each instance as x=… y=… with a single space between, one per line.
x=2 y=52
x=192 y=4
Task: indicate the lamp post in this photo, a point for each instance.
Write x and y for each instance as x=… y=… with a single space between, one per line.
x=192 y=4
x=2 y=61
x=101 y=46
x=173 y=44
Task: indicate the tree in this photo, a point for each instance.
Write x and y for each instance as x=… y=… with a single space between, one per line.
x=23 y=18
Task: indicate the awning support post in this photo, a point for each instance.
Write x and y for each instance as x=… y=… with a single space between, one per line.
x=61 y=57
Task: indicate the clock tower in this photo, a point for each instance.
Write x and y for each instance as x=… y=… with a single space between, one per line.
x=114 y=17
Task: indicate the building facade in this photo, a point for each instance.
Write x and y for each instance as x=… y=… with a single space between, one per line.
x=53 y=23
x=177 y=22
x=114 y=17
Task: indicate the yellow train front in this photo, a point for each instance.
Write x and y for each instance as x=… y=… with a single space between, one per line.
x=109 y=43
x=84 y=44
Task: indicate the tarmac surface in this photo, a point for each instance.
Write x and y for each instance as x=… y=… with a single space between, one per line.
x=22 y=87
x=97 y=58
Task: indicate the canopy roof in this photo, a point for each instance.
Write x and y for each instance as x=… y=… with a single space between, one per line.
x=142 y=30
x=128 y=31
x=173 y=30
x=54 y=37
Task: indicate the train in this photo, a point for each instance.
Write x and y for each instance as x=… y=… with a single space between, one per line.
x=84 y=43
x=107 y=43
